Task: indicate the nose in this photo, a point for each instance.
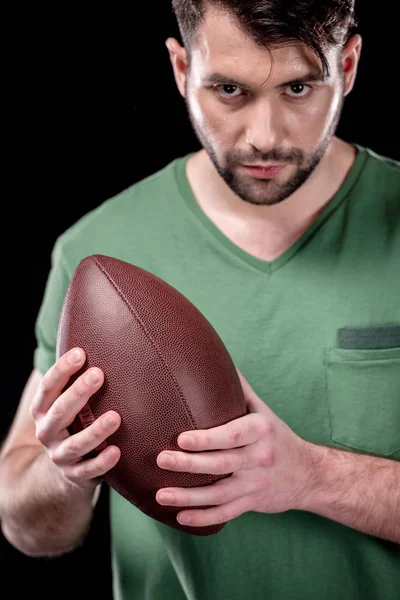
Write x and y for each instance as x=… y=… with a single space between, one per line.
x=265 y=130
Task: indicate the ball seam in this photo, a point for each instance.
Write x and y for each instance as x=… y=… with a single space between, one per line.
x=154 y=344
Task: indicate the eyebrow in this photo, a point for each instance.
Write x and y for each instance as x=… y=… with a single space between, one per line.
x=218 y=78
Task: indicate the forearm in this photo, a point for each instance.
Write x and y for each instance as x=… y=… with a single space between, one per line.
x=41 y=513
x=359 y=491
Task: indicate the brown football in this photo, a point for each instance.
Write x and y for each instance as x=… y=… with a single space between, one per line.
x=166 y=371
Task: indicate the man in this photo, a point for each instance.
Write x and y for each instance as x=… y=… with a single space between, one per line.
x=295 y=262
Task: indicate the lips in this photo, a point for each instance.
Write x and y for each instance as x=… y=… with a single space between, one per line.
x=268 y=172
x=270 y=166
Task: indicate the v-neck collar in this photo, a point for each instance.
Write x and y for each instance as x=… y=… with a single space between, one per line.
x=263 y=265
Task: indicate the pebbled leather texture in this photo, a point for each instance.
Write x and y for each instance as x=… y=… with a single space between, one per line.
x=166 y=371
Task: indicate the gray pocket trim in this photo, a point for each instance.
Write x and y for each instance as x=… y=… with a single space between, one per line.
x=369 y=338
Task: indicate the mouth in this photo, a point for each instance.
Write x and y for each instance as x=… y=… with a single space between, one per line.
x=264 y=172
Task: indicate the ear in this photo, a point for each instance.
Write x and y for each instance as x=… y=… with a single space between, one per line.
x=350 y=59
x=177 y=55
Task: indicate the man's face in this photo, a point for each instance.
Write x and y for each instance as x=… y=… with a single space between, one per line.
x=279 y=111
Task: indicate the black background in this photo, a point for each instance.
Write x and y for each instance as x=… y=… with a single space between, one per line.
x=92 y=107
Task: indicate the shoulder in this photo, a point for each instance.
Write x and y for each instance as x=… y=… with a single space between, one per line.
x=123 y=205
x=115 y=225
x=378 y=181
x=379 y=163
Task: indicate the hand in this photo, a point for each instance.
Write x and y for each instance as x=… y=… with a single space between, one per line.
x=270 y=467
x=54 y=410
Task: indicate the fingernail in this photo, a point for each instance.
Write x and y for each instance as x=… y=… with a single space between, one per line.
x=75 y=357
x=109 y=421
x=184 y=519
x=92 y=377
x=187 y=441
x=112 y=452
x=167 y=460
x=166 y=498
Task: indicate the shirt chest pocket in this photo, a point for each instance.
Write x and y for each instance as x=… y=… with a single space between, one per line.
x=363 y=390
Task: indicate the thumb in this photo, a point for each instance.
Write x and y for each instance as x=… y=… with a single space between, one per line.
x=253 y=401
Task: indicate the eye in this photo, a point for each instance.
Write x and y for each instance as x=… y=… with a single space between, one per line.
x=295 y=91
x=298 y=90
x=229 y=87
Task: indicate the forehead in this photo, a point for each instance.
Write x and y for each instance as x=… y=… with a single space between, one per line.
x=222 y=46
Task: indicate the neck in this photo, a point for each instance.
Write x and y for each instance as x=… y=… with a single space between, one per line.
x=300 y=208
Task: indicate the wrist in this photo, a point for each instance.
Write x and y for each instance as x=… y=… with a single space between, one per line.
x=315 y=483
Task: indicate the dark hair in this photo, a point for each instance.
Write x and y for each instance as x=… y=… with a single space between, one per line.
x=316 y=23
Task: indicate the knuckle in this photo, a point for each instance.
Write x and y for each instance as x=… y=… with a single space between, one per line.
x=235 y=435
x=105 y=463
x=190 y=467
x=242 y=461
x=98 y=432
x=57 y=368
x=53 y=455
x=41 y=433
x=107 y=460
x=223 y=515
x=71 y=449
x=253 y=423
x=45 y=386
x=266 y=457
x=55 y=372
x=56 y=413
x=206 y=440
x=33 y=409
x=80 y=389
x=265 y=427
x=83 y=470
x=221 y=465
x=220 y=497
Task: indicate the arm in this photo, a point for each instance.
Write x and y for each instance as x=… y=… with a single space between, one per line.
x=357 y=490
x=274 y=470
x=41 y=515
x=47 y=493
x=41 y=512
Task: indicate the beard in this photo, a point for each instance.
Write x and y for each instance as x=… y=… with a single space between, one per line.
x=267 y=192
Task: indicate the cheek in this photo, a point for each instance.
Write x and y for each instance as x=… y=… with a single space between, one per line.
x=215 y=121
x=324 y=107
x=314 y=119
x=197 y=109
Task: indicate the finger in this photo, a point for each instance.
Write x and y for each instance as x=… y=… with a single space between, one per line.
x=64 y=410
x=79 y=444
x=217 y=514
x=55 y=380
x=92 y=467
x=247 y=389
x=222 y=462
x=253 y=400
x=220 y=492
x=239 y=432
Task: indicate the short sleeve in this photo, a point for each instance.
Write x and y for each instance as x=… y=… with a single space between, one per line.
x=46 y=326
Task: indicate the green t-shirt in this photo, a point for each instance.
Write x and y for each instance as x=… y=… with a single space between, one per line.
x=316 y=334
